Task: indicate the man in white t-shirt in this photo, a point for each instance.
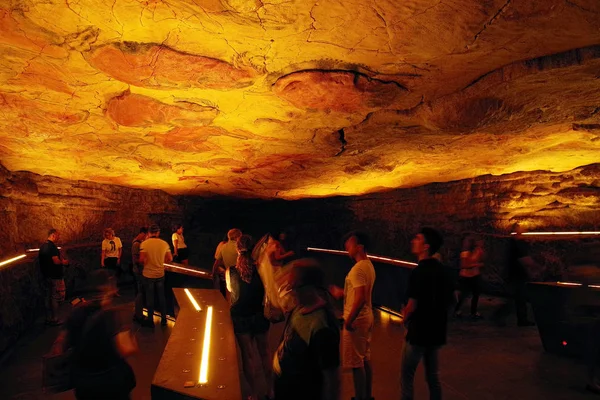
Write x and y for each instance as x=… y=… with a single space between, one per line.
x=358 y=315
x=112 y=249
x=154 y=252
x=226 y=258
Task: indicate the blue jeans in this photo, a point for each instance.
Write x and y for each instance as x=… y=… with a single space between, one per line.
x=411 y=357
x=157 y=285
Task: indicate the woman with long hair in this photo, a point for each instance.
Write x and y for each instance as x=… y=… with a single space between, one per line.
x=249 y=324
x=471 y=262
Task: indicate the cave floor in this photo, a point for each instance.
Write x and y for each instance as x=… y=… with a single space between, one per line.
x=480 y=362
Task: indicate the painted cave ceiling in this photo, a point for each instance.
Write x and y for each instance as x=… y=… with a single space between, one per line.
x=297 y=98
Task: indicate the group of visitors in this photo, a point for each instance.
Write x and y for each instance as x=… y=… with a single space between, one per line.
x=264 y=287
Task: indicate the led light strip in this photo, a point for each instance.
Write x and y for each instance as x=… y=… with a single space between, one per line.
x=187 y=269
x=10 y=260
x=569 y=283
x=34 y=250
x=192 y=299
x=206 y=347
x=559 y=233
x=372 y=257
x=389 y=311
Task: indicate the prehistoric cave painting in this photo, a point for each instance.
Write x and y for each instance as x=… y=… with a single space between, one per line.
x=341 y=91
x=135 y=110
x=160 y=67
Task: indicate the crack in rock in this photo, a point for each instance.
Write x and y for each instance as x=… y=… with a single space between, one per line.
x=342 y=139
x=490 y=22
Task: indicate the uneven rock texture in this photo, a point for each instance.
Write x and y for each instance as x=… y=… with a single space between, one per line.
x=294 y=99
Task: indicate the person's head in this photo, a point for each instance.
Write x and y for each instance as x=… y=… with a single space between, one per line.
x=178 y=228
x=109 y=233
x=101 y=286
x=53 y=235
x=468 y=243
x=143 y=233
x=305 y=283
x=234 y=234
x=283 y=236
x=245 y=263
x=154 y=230
x=518 y=229
x=426 y=243
x=356 y=243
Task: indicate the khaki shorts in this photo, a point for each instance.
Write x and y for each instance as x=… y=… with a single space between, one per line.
x=356 y=345
x=56 y=289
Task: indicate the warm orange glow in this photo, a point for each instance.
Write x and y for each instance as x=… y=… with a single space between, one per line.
x=594 y=286
x=34 y=250
x=382 y=259
x=10 y=260
x=559 y=233
x=192 y=299
x=569 y=283
x=206 y=347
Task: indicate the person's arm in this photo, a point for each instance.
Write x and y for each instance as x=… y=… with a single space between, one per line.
x=409 y=309
x=57 y=261
x=336 y=292
x=360 y=299
x=126 y=343
x=175 y=244
x=143 y=257
x=168 y=256
x=119 y=256
x=102 y=257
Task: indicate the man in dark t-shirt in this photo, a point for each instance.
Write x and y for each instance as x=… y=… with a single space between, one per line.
x=306 y=363
x=426 y=314
x=51 y=265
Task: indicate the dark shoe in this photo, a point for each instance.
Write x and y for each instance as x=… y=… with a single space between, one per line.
x=476 y=316
x=148 y=323
x=163 y=322
x=526 y=323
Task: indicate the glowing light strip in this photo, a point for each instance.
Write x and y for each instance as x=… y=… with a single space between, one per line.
x=559 y=233
x=594 y=286
x=569 y=283
x=156 y=314
x=206 y=347
x=192 y=299
x=372 y=257
x=187 y=269
x=390 y=311
x=34 y=250
x=10 y=260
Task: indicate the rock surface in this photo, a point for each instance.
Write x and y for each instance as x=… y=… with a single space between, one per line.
x=294 y=99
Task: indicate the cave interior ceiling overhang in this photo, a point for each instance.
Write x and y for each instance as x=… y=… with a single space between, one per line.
x=297 y=98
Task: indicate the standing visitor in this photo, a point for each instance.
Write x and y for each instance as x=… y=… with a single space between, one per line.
x=226 y=258
x=51 y=264
x=519 y=264
x=426 y=314
x=180 y=249
x=358 y=315
x=249 y=324
x=101 y=340
x=112 y=249
x=307 y=361
x=138 y=267
x=471 y=262
x=154 y=253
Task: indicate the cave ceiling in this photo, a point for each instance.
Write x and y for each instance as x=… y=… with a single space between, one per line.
x=297 y=98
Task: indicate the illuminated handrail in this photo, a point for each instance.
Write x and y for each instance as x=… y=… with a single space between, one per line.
x=558 y=233
x=192 y=299
x=382 y=259
x=11 y=260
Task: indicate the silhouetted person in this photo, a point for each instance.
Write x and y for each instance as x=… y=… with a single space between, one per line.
x=51 y=264
x=519 y=262
x=180 y=249
x=226 y=258
x=249 y=324
x=154 y=253
x=138 y=268
x=471 y=262
x=307 y=360
x=425 y=315
x=358 y=315
x=100 y=340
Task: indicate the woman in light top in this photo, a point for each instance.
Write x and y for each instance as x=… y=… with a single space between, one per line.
x=112 y=249
x=471 y=262
x=180 y=249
